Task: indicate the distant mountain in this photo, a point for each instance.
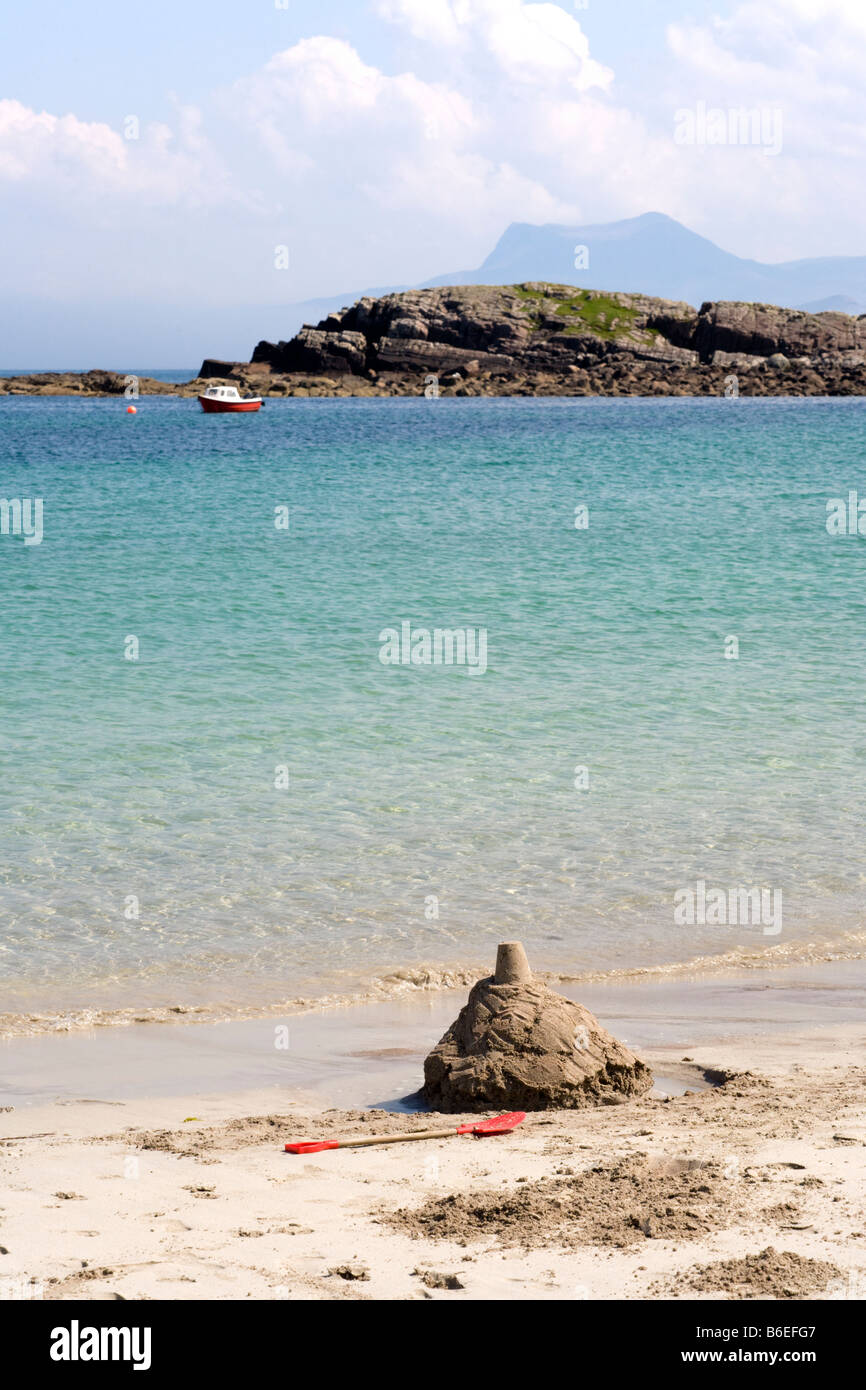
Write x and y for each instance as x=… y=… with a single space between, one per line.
x=656 y=255
x=834 y=303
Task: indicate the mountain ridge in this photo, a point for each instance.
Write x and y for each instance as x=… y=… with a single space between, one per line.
x=656 y=255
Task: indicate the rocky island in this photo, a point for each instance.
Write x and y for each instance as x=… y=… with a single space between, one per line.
x=533 y=339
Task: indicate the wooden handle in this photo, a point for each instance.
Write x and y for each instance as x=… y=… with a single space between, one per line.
x=398 y=1138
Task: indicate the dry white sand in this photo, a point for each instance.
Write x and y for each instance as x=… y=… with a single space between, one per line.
x=139 y=1200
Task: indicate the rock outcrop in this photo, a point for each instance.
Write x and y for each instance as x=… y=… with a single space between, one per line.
x=213 y=367
x=518 y=1045
x=763 y=331
x=93 y=383
x=534 y=339
x=316 y=350
x=538 y=329
x=535 y=326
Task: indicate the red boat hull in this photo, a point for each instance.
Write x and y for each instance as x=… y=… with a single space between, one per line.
x=211 y=406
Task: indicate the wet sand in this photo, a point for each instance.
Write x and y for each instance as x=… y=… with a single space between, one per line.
x=372 y=1054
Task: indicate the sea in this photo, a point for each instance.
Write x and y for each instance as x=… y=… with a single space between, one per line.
x=235 y=774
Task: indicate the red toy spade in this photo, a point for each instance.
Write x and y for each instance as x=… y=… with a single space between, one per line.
x=500 y=1124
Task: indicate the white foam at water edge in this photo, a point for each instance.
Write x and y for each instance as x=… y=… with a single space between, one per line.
x=417 y=980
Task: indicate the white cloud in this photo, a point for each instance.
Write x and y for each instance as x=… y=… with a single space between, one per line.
x=807 y=54
x=805 y=59
x=514 y=131
x=69 y=157
x=526 y=42
x=540 y=43
x=322 y=86
x=325 y=76
x=432 y=20
x=35 y=143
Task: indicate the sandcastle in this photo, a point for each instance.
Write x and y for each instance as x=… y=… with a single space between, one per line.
x=519 y=1045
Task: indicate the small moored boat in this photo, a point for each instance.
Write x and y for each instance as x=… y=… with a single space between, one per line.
x=224 y=398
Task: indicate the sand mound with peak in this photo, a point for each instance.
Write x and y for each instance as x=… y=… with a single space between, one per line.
x=519 y=1045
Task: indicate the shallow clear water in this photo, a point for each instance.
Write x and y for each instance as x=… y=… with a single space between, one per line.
x=259 y=648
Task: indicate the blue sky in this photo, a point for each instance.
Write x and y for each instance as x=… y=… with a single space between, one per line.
x=387 y=141
x=95 y=58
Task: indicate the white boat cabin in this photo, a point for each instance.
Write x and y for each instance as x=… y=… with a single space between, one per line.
x=222 y=393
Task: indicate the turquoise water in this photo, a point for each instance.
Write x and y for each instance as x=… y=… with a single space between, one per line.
x=259 y=650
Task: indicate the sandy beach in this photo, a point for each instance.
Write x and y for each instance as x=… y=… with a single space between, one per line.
x=741 y=1176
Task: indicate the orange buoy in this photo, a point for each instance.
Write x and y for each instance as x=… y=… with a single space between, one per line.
x=131 y=410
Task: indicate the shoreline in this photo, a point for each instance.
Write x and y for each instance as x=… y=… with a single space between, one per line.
x=418 y=981
x=610 y=380
x=371 y=1054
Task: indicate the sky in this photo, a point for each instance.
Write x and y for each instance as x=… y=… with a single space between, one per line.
x=186 y=159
